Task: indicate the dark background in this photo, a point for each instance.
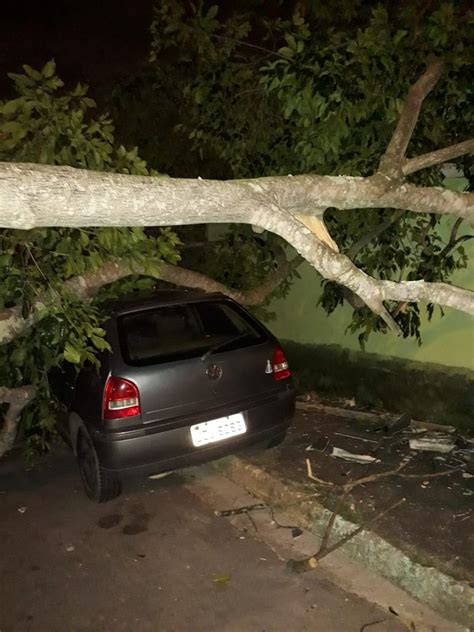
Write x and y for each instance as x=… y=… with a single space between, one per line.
x=98 y=42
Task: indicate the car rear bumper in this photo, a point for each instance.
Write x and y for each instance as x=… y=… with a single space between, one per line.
x=164 y=449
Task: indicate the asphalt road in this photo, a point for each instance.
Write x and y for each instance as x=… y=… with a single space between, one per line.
x=156 y=559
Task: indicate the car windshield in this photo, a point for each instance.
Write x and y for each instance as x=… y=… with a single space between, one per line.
x=175 y=332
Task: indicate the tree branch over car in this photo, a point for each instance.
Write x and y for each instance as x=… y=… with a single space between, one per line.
x=35 y=195
x=84 y=218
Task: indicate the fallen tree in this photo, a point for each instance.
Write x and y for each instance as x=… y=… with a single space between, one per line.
x=292 y=207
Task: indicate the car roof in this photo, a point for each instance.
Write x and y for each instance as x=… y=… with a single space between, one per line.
x=129 y=304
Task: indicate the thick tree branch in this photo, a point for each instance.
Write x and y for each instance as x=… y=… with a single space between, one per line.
x=84 y=287
x=437 y=157
x=17 y=398
x=338 y=267
x=437 y=293
x=392 y=161
x=38 y=195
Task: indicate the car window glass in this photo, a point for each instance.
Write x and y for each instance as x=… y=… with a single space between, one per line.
x=182 y=331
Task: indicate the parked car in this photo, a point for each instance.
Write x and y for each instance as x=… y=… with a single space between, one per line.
x=191 y=377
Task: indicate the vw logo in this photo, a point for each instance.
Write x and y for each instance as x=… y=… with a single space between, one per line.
x=214 y=372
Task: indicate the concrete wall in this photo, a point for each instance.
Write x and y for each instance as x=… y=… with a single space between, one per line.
x=448 y=340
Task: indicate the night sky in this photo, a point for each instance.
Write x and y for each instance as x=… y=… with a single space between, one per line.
x=92 y=41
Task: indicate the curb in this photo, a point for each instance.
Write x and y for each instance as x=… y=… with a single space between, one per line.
x=449 y=597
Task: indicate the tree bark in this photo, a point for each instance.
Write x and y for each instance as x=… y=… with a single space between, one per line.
x=38 y=195
x=84 y=287
x=392 y=161
x=17 y=398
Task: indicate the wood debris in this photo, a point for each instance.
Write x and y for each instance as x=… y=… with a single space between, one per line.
x=432 y=442
x=354 y=458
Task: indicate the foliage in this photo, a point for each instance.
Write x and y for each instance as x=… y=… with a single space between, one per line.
x=47 y=124
x=242 y=260
x=312 y=90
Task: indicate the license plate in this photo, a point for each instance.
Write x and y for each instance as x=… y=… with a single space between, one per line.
x=218 y=429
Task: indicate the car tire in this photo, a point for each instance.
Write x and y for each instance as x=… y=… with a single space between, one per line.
x=276 y=441
x=98 y=485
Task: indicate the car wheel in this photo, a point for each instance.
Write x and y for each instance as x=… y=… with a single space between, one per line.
x=98 y=485
x=276 y=441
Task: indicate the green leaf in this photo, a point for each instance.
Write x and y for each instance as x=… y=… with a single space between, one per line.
x=31 y=72
x=100 y=343
x=211 y=14
x=71 y=354
x=286 y=52
x=49 y=69
x=14 y=129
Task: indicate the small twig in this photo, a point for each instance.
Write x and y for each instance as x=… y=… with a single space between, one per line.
x=239 y=510
x=361 y=243
x=431 y=475
x=368 y=625
x=309 y=471
x=453 y=238
x=254 y=524
x=347 y=487
x=342 y=434
x=281 y=526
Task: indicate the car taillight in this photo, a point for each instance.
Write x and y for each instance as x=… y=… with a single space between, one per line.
x=281 y=370
x=121 y=399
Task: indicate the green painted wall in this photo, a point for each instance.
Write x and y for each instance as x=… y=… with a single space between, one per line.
x=448 y=340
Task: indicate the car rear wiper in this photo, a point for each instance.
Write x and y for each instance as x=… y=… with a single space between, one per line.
x=224 y=343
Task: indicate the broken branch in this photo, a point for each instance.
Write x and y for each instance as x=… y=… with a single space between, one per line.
x=84 y=287
x=311 y=562
x=17 y=398
x=360 y=528
x=309 y=471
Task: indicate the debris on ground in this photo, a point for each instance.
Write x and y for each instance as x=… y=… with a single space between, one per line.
x=235 y=511
x=221 y=580
x=351 y=436
x=432 y=442
x=21 y=510
x=355 y=458
x=311 y=562
x=157 y=477
x=319 y=443
x=396 y=425
x=425 y=425
x=430 y=464
x=395 y=431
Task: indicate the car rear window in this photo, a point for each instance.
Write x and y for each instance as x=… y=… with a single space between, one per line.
x=177 y=332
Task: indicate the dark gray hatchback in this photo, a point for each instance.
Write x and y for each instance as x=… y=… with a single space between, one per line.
x=191 y=377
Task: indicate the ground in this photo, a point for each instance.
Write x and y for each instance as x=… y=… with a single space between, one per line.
x=435 y=525
x=155 y=559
